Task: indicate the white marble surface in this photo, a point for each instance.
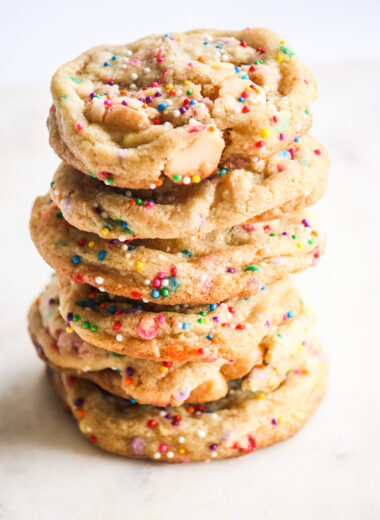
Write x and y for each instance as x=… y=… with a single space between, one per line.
x=330 y=470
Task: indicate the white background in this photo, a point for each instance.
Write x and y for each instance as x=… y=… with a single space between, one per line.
x=329 y=470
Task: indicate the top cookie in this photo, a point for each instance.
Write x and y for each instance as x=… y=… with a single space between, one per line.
x=179 y=105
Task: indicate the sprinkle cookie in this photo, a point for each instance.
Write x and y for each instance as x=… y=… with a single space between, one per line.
x=179 y=105
x=236 y=262
x=150 y=382
x=236 y=425
x=291 y=180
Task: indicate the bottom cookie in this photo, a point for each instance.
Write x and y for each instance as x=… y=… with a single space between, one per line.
x=235 y=425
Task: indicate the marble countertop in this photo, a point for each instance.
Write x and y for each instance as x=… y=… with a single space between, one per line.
x=329 y=470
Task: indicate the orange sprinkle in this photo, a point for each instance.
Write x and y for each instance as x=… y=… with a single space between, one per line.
x=191 y=409
x=201 y=59
x=122 y=92
x=127 y=381
x=80 y=413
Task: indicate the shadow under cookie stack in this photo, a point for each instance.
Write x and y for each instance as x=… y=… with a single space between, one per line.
x=171 y=328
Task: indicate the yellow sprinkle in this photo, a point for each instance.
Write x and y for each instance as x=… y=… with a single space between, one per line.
x=280 y=420
x=164 y=369
x=169 y=86
x=139 y=265
x=283 y=43
x=181 y=451
x=248 y=89
x=298 y=415
x=300 y=347
x=206 y=320
x=69 y=330
x=105 y=231
x=216 y=66
x=91 y=244
x=280 y=58
x=299 y=245
x=36 y=217
x=261 y=395
x=180 y=39
x=196 y=179
x=265 y=132
x=186 y=82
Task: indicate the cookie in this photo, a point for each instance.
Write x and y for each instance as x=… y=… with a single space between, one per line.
x=224 y=264
x=265 y=364
x=236 y=425
x=178 y=105
x=176 y=333
x=288 y=181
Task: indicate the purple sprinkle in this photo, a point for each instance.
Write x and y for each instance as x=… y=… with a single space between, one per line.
x=182 y=395
x=230 y=270
x=129 y=371
x=182 y=110
x=158 y=94
x=213 y=446
x=111 y=82
x=285 y=233
x=267 y=323
x=282 y=137
x=175 y=422
x=92 y=95
x=97 y=210
x=148 y=99
x=69 y=316
x=137 y=445
x=168 y=416
x=216 y=319
x=305 y=223
x=274 y=421
x=51 y=301
x=78 y=402
x=142 y=99
x=124 y=103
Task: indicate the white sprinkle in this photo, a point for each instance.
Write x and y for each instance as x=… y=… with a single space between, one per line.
x=181 y=439
x=99 y=280
x=306 y=193
x=214 y=415
x=162 y=413
x=145 y=301
x=128 y=255
x=176 y=113
x=193 y=121
x=152 y=186
x=122 y=238
x=237 y=110
x=165 y=282
x=213 y=454
x=157 y=455
x=147 y=69
x=201 y=434
x=132 y=85
x=179 y=92
x=119 y=337
x=204 y=277
x=134 y=75
x=186 y=180
x=168 y=102
x=147 y=282
x=101 y=289
x=56 y=192
x=167 y=123
x=104 y=214
x=170 y=454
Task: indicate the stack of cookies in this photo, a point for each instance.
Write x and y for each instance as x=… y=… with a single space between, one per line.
x=171 y=328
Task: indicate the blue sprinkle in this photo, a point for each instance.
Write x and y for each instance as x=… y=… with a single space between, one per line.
x=186 y=252
x=193 y=102
x=209 y=336
x=218 y=46
x=290 y=314
x=296 y=140
x=237 y=70
x=185 y=326
x=167 y=35
x=114 y=57
x=241 y=99
x=132 y=400
x=173 y=283
x=222 y=171
x=212 y=307
x=263 y=287
x=76 y=259
x=155 y=294
x=285 y=154
x=124 y=224
x=245 y=76
x=106 y=63
x=206 y=43
x=161 y=106
x=101 y=255
x=131 y=248
x=138 y=307
x=112 y=309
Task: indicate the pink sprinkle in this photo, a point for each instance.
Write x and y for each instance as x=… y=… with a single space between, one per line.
x=108 y=102
x=161 y=319
x=161 y=275
x=150 y=204
x=317 y=151
x=147 y=328
x=79 y=127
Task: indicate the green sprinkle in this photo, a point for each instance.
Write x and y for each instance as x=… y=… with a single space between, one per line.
x=109 y=180
x=76 y=318
x=165 y=292
x=307 y=111
x=76 y=80
x=284 y=49
x=116 y=354
x=94 y=328
x=203 y=313
x=189 y=92
x=85 y=324
x=59 y=214
x=52 y=184
x=279 y=335
x=294 y=237
x=63 y=98
x=200 y=320
x=138 y=202
x=259 y=62
x=272 y=234
x=92 y=175
x=310 y=241
x=252 y=268
x=177 y=178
